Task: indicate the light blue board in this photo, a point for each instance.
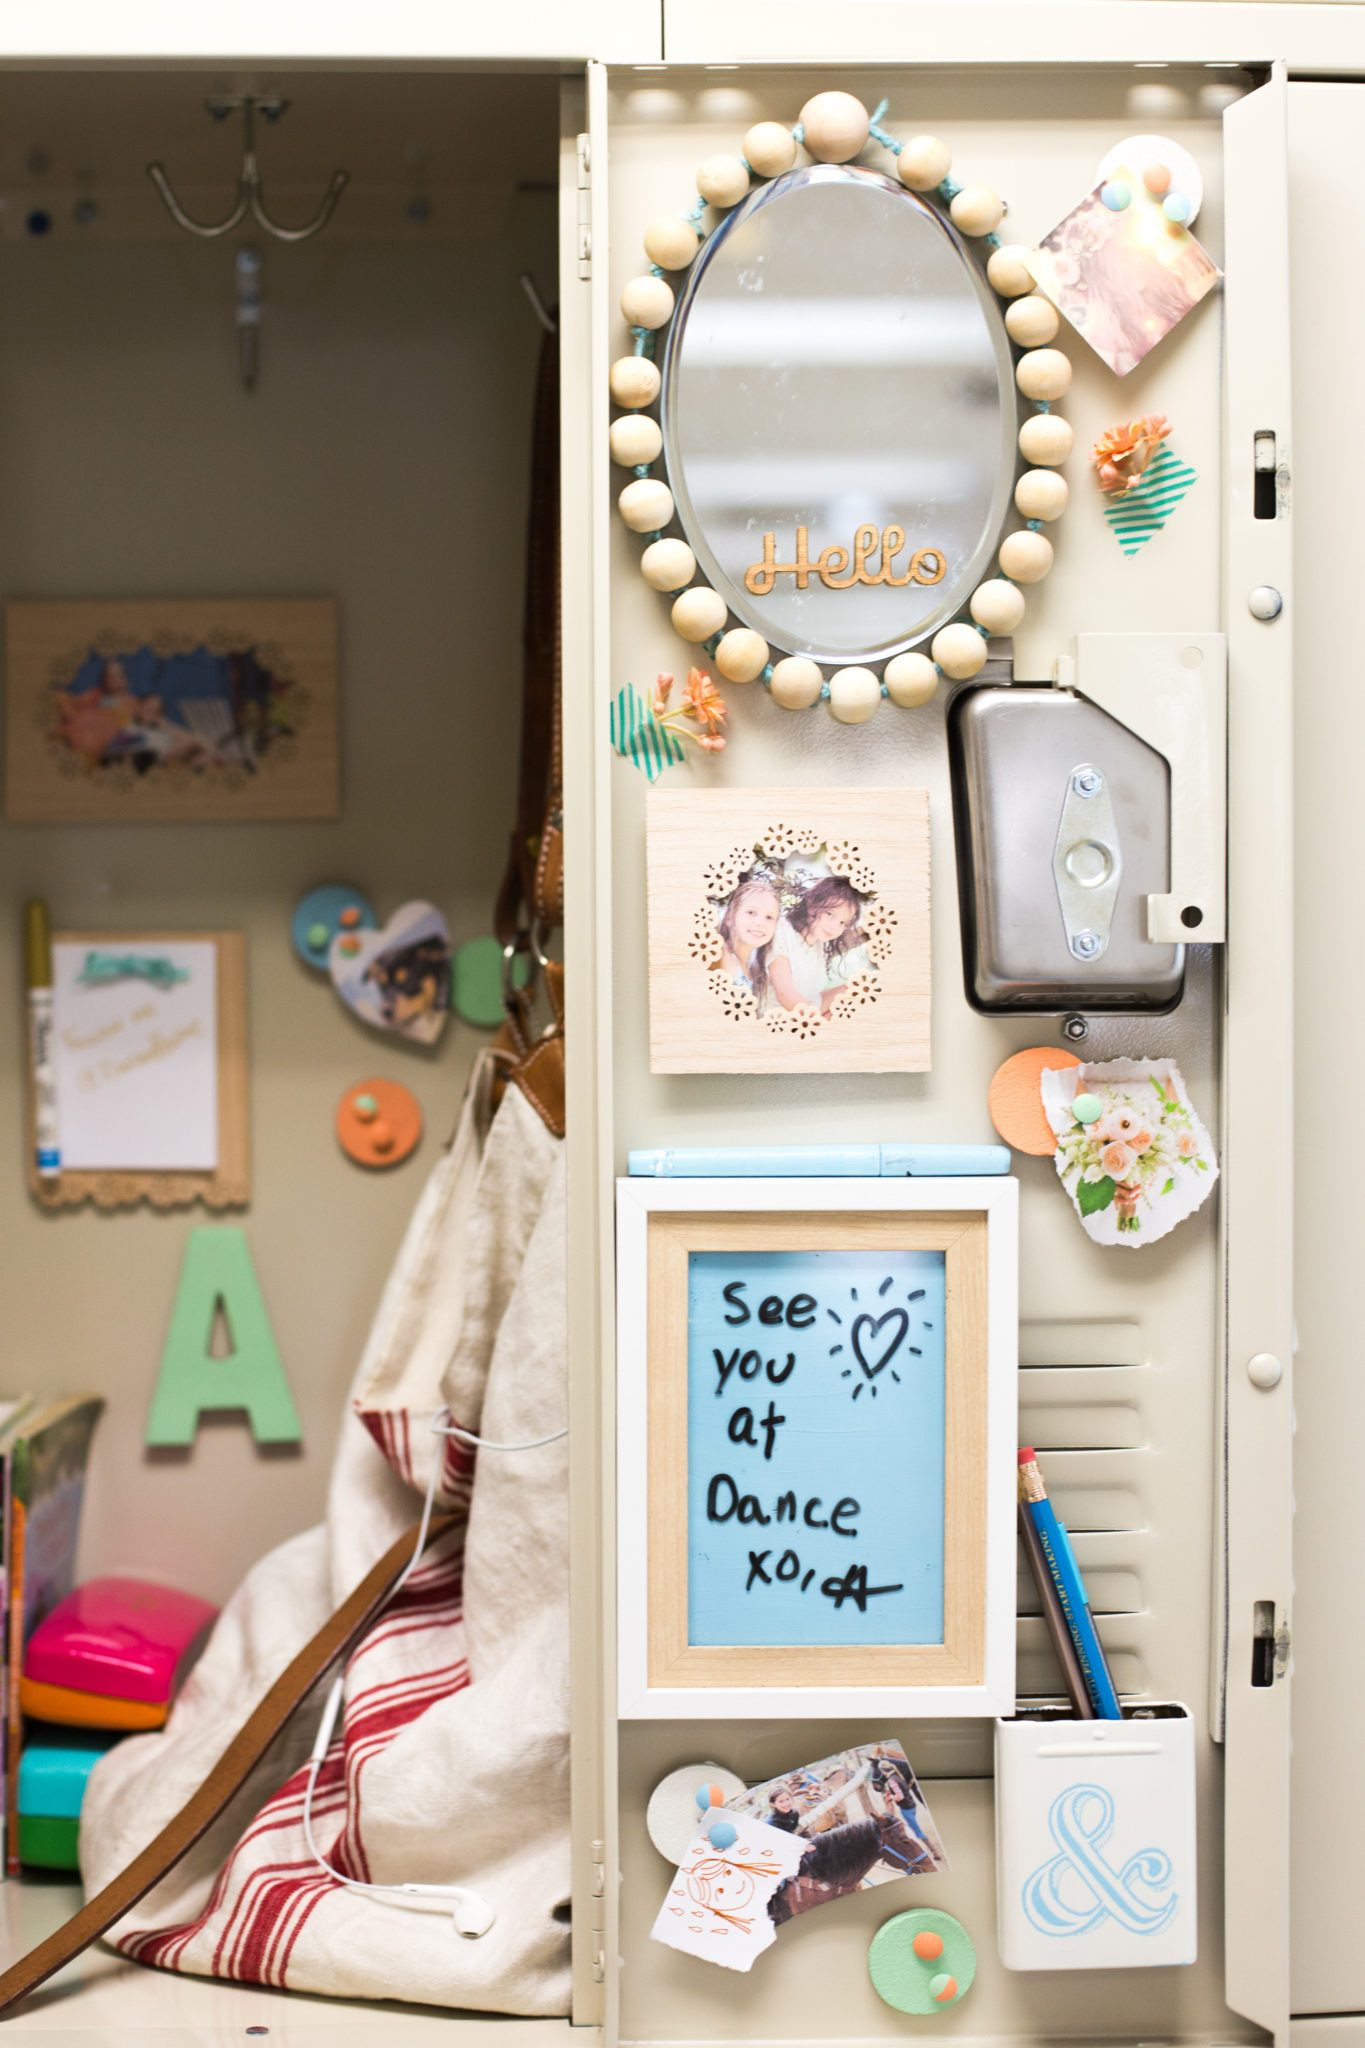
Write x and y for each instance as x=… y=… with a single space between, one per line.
x=847 y=1391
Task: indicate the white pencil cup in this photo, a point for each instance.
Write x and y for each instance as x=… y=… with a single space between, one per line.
x=1095 y=1840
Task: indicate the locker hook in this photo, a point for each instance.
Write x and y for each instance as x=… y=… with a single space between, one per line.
x=250 y=192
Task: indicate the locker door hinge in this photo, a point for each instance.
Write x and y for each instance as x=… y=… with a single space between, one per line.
x=597 y=1868
x=584 y=206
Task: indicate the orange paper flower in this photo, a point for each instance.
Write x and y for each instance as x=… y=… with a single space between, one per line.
x=704 y=701
x=1123 y=453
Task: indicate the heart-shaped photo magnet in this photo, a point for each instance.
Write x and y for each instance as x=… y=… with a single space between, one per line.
x=398 y=978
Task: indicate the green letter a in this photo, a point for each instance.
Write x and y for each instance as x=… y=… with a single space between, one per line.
x=218 y=1280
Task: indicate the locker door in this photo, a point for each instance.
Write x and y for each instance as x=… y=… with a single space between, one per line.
x=1328 y=1784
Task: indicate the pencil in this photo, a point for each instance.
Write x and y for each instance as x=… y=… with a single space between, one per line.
x=1052 y=1615
x=1070 y=1589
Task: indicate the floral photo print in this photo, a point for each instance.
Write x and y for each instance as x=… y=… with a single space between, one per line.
x=1131 y=1150
x=789 y=931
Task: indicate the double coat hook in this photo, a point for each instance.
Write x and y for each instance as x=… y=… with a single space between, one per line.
x=250 y=192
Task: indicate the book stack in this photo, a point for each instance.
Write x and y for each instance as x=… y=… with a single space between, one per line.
x=44 y=1453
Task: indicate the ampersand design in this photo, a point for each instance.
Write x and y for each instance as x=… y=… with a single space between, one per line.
x=1078 y=1889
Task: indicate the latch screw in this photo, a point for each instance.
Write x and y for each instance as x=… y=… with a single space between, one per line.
x=1087 y=945
x=1087 y=782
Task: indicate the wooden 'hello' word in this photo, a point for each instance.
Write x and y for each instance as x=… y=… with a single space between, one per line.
x=874 y=549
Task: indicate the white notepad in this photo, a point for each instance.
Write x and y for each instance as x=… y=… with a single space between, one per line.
x=136 y=1057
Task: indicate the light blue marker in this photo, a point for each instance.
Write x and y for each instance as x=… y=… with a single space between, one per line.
x=817 y=1162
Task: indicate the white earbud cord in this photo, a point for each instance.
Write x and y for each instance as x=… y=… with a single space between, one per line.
x=472 y=1915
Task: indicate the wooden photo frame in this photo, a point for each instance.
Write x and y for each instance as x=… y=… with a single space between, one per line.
x=171 y=711
x=817 y=1511
x=226 y=1185
x=788 y=931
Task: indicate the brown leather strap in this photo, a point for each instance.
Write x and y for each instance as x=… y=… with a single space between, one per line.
x=229 y=1774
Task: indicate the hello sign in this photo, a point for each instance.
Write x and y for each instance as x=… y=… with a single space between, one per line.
x=811 y=1394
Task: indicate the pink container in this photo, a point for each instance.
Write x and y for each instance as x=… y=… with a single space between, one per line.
x=125 y=1639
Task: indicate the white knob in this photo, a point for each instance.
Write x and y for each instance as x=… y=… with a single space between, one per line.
x=1265 y=1370
x=1265 y=602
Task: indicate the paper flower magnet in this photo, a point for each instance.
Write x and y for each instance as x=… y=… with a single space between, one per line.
x=1131 y=1150
x=1122 y=453
x=652 y=735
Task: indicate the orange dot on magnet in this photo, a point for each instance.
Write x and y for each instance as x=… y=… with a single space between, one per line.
x=927 y=1945
x=1157 y=179
x=1015 y=1098
x=350 y=945
x=350 y=917
x=943 y=1990
x=378 y=1123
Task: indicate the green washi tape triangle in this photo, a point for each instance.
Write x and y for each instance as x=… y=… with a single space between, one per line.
x=1142 y=512
x=638 y=736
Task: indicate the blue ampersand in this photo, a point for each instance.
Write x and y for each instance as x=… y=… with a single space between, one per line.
x=1077 y=1889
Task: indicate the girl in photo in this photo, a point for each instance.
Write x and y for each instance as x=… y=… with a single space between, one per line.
x=746 y=930
x=810 y=942
x=784 y=1813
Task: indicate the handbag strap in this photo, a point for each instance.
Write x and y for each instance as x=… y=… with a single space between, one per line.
x=333 y=1640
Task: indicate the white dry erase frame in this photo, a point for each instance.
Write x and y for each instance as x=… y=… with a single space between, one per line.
x=699 y=1638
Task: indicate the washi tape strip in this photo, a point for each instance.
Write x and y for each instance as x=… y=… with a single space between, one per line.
x=1142 y=512
x=637 y=735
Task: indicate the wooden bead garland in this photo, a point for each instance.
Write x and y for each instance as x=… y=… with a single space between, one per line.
x=835 y=127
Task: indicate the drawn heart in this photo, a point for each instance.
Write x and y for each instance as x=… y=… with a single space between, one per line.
x=874 y=1325
x=398 y=978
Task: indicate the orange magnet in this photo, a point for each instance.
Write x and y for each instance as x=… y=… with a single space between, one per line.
x=927 y=1946
x=1015 y=1098
x=379 y=1123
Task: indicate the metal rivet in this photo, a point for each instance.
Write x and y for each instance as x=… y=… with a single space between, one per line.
x=1087 y=945
x=1265 y=602
x=1075 y=1029
x=1265 y=1370
x=1087 y=782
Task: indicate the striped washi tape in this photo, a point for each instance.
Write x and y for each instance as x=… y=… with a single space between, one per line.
x=637 y=735
x=1143 y=511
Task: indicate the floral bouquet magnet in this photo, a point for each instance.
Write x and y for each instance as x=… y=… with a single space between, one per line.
x=1131 y=1150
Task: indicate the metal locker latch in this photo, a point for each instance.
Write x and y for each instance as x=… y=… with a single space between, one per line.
x=1087 y=863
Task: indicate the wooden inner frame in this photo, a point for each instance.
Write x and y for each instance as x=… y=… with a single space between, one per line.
x=960 y=1659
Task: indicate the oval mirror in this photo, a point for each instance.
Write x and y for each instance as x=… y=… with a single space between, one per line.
x=840 y=415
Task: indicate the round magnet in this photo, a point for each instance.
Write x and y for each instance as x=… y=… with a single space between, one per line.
x=905 y=1977
x=379 y=1123
x=1136 y=154
x=721 y=1834
x=321 y=914
x=1015 y=1100
x=673 y=1816
x=1087 y=1109
x=476 y=995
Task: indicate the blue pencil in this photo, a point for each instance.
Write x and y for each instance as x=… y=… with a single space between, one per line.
x=1070 y=1586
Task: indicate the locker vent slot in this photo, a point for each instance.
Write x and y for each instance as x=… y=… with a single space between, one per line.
x=1082 y=1396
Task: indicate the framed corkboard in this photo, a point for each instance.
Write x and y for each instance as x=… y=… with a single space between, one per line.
x=789 y=931
x=134 y=1040
x=171 y=711
x=817 y=1409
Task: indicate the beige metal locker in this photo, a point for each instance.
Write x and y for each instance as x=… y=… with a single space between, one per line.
x=1192 y=1457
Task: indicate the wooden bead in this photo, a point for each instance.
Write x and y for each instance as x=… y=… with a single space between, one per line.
x=834 y=126
x=770 y=148
x=923 y=163
x=977 y=210
x=997 y=606
x=698 y=613
x=959 y=651
x=911 y=680
x=1046 y=438
x=1031 y=321
x=1040 y=494
x=742 y=655
x=1025 y=557
x=646 y=505
x=668 y=564
x=1043 y=373
x=634 y=380
x=796 y=683
x=854 y=694
x=1008 y=272
x=671 y=242
x=635 y=437
x=647 y=302
x=722 y=180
